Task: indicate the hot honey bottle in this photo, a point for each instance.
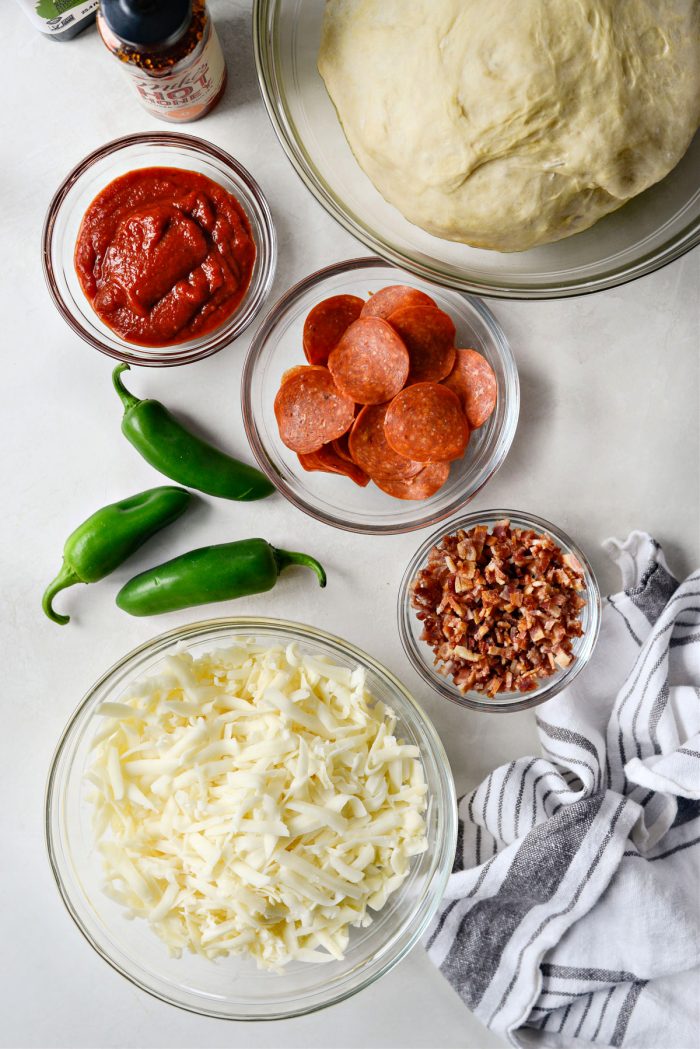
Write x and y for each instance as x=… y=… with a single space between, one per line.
x=170 y=52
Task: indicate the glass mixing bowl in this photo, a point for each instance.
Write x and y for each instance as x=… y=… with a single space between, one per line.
x=77 y=191
x=421 y=654
x=233 y=988
x=648 y=232
x=335 y=500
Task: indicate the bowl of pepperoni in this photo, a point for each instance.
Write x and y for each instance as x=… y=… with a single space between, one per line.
x=376 y=401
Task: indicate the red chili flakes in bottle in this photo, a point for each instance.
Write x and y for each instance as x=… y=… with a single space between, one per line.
x=170 y=52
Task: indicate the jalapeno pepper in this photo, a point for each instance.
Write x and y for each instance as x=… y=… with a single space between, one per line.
x=110 y=536
x=212 y=573
x=182 y=456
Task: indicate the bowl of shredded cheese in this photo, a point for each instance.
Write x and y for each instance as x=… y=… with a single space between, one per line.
x=250 y=818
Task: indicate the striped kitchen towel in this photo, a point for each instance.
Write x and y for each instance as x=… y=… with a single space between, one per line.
x=572 y=915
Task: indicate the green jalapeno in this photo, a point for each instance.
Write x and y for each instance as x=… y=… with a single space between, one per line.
x=110 y=536
x=212 y=573
x=182 y=456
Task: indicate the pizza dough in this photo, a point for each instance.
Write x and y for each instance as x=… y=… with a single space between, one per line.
x=513 y=123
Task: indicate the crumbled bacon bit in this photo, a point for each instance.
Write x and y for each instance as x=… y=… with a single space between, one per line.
x=500 y=609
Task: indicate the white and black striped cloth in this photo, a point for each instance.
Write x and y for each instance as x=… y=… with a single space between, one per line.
x=572 y=915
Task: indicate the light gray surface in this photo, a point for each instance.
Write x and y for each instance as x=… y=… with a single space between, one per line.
x=608 y=441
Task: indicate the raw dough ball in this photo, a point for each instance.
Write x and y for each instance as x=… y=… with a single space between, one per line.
x=512 y=123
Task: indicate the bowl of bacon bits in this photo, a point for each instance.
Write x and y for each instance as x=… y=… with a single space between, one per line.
x=376 y=401
x=500 y=611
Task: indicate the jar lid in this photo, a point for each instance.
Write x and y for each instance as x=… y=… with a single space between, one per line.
x=147 y=23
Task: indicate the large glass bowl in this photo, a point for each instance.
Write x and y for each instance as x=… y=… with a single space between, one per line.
x=420 y=653
x=233 y=988
x=337 y=501
x=650 y=231
x=80 y=187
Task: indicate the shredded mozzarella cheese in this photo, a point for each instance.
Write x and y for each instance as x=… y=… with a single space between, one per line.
x=254 y=800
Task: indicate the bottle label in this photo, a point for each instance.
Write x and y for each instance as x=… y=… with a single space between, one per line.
x=54 y=17
x=183 y=95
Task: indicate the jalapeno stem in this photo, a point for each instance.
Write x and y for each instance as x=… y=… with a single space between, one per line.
x=285 y=558
x=127 y=399
x=65 y=578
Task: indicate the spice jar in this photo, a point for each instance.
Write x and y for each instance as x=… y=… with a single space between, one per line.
x=170 y=51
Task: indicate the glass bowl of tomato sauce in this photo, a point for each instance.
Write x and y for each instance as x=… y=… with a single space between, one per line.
x=159 y=249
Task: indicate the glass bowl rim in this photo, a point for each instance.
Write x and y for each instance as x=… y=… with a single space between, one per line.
x=405 y=613
x=446 y=799
x=502 y=443
x=240 y=319
x=263 y=48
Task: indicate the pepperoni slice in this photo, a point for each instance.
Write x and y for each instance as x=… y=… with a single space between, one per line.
x=395 y=297
x=421 y=486
x=328 y=460
x=474 y=382
x=425 y=422
x=311 y=410
x=341 y=447
x=326 y=323
x=370 y=450
x=429 y=335
x=370 y=363
x=297 y=369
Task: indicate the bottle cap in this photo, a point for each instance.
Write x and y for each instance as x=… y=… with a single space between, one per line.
x=152 y=24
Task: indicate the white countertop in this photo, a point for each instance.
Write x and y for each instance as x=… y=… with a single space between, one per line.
x=607 y=442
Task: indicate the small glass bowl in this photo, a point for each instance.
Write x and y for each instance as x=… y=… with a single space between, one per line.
x=232 y=988
x=97 y=170
x=335 y=500
x=421 y=654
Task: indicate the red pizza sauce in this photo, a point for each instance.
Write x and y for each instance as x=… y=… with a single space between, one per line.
x=164 y=255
